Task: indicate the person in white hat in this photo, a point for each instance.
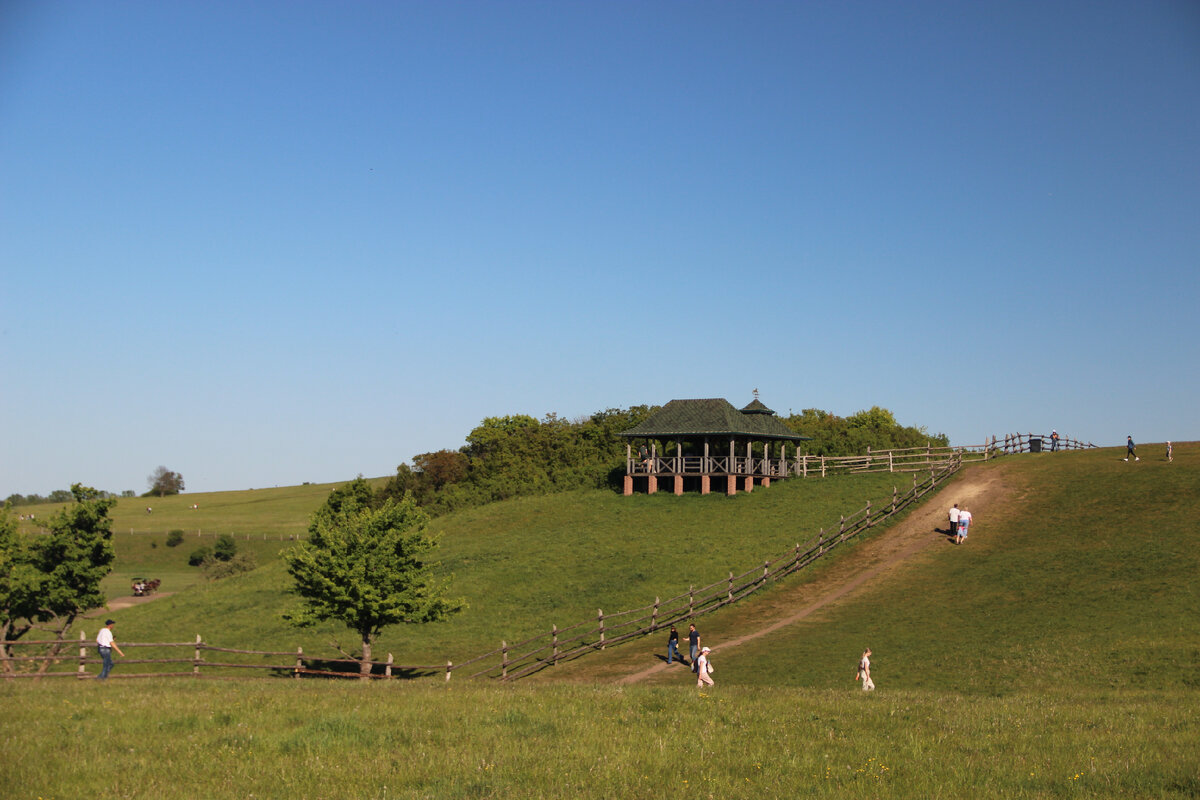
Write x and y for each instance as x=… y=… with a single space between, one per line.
x=704 y=669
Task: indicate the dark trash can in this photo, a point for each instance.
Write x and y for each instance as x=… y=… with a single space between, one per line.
x=1035 y=444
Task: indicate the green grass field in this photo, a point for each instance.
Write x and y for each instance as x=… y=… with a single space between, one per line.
x=1052 y=656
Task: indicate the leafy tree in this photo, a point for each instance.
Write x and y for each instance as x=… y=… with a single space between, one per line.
x=225 y=548
x=365 y=566
x=843 y=436
x=175 y=538
x=164 y=482
x=51 y=579
x=198 y=555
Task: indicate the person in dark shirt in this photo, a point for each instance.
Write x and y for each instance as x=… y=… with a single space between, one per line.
x=673 y=646
x=693 y=644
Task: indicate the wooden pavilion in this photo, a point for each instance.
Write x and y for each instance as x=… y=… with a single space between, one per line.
x=711 y=439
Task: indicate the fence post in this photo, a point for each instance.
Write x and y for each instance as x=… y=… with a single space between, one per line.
x=868 y=513
x=804 y=465
x=196 y=656
x=891 y=463
x=387 y=671
x=554 y=636
x=822 y=466
x=842 y=529
x=766 y=570
x=503 y=660
x=932 y=479
x=691 y=601
x=299 y=663
x=796 y=557
x=600 y=619
x=82 y=654
x=449 y=666
x=729 y=594
x=654 y=615
x=821 y=542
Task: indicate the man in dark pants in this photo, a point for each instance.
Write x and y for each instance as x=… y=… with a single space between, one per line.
x=105 y=644
x=693 y=644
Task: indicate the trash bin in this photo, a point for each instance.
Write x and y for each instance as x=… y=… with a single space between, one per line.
x=1035 y=444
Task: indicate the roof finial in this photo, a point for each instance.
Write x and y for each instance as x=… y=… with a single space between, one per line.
x=756 y=394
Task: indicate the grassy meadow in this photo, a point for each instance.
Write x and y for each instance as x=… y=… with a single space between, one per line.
x=521 y=564
x=1051 y=656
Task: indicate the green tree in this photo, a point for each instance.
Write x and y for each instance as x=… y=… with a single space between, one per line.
x=164 y=482
x=365 y=567
x=52 y=578
x=225 y=548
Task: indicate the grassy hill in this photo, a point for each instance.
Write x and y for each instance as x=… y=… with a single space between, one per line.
x=1052 y=656
x=522 y=565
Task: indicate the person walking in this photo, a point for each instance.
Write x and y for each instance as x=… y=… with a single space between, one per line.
x=1130 y=449
x=964 y=522
x=105 y=644
x=673 y=645
x=693 y=645
x=864 y=671
x=954 y=514
x=1053 y=441
x=704 y=669
x=1169 y=457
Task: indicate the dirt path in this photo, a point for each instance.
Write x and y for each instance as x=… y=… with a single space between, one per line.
x=868 y=562
x=118 y=603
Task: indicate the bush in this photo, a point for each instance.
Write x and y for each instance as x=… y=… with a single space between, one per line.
x=225 y=548
x=175 y=538
x=198 y=555
x=215 y=568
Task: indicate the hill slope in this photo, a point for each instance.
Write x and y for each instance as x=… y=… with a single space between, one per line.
x=1079 y=570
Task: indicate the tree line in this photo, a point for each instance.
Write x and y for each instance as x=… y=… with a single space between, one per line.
x=518 y=455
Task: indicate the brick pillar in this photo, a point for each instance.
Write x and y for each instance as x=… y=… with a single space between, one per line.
x=678 y=485
x=628 y=485
x=705 y=484
x=731 y=485
x=651 y=484
x=749 y=483
x=766 y=482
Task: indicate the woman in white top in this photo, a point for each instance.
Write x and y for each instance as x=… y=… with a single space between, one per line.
x=703 y=668
x=864 y=671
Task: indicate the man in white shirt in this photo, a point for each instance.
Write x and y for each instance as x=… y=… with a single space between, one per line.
x=954 y=520
x=105 y=644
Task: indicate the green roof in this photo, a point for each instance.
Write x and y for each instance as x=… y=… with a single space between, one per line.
x=712 y=417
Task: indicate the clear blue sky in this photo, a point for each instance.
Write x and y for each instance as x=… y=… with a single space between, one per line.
x=267 y=243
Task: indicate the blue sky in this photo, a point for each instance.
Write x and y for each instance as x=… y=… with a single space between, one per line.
x=268 y=243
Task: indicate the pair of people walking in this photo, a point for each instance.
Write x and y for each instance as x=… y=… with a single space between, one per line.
x=693 y=646
x=960 y=523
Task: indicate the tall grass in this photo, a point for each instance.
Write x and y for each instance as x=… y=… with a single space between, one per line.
x=319 y=740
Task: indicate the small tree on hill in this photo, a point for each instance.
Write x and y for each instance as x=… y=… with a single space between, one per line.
x=164 y=482
x=366 y=567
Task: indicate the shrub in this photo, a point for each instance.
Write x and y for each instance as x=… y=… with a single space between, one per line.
x=225 y=548
x=198 y=555
x=215 y=568
x=175 y=538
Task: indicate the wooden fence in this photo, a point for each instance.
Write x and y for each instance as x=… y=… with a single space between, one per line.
x=921 y=459
x=49 y=664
